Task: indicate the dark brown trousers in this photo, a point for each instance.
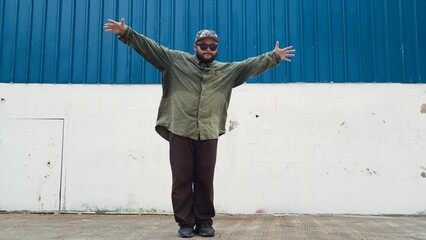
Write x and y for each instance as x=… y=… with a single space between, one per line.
x=193 y=163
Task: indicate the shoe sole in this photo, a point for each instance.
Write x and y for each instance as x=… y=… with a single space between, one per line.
x=204 y=235
x=190 y=236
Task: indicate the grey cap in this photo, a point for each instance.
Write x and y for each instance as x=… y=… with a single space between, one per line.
x=205 y=33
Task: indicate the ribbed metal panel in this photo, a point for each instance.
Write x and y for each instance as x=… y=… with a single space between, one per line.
x=62 y=41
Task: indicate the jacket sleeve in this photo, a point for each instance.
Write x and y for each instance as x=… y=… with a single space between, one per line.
x=159 y=56
x=251 y=67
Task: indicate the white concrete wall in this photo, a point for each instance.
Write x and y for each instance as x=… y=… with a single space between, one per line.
x=294 y=148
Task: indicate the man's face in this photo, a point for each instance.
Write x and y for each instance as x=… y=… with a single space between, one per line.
x=204 y=51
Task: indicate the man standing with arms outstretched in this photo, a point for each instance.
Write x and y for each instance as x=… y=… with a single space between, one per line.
x=192 y=114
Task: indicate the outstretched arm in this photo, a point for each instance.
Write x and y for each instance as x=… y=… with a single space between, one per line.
x=284 y=53
x=159 y=56
x=115 y=27
x=254 y=66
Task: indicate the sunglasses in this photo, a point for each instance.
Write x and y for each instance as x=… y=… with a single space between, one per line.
x=204 y=46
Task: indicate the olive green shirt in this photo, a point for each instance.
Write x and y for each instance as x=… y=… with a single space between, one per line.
x=196 y=95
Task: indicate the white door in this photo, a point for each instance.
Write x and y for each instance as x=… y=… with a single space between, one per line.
x=30 y=164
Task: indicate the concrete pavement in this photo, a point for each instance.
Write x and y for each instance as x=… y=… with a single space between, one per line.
x=241 y=227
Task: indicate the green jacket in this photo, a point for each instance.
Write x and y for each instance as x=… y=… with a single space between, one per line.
x=195 y=96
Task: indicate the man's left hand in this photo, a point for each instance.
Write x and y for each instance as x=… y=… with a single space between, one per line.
x=284 y=53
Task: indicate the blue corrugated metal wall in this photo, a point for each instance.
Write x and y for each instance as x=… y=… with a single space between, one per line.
x=62 y=41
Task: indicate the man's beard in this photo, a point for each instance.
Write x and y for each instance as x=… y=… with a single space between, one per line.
x=203 y=60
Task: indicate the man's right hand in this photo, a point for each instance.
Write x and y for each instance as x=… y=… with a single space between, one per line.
x=115 y=27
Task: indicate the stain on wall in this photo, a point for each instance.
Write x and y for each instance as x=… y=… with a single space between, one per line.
x=423 y=108
x=423 y=173
x=369 y=172
x=233 y=125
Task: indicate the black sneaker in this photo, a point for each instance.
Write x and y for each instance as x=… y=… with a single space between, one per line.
x=204 y=230
x=186 y=232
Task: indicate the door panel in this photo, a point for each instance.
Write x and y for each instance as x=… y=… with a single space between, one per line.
x=30 y=164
